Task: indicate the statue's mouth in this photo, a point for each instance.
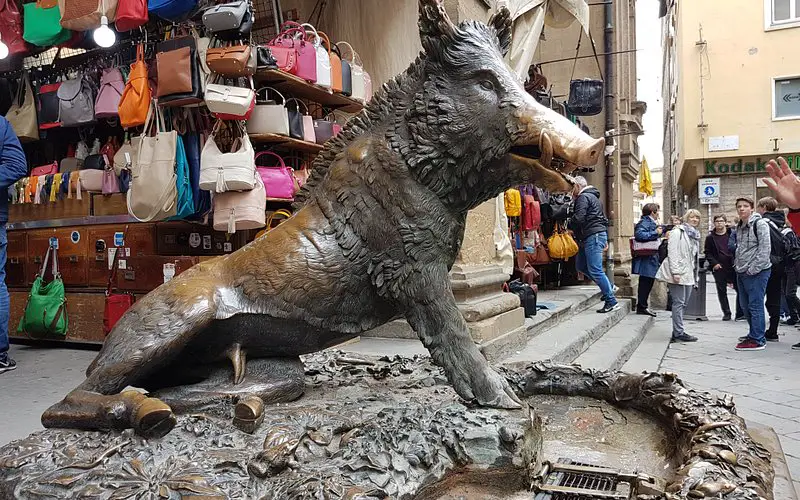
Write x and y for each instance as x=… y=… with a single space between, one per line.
x=550 y=161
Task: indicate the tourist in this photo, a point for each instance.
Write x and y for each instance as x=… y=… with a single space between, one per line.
x=680 y=270
x=590 y=226
x=646 y=266
x=792 y=273
x=719 y=257
x=13 y=167
x=767 y=207
x=752 y=264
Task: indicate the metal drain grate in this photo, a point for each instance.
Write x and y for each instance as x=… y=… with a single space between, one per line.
x=570 y=480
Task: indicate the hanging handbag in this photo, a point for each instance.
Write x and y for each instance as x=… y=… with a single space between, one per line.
x=335 y=63
x=112 y=85
x=358 y=86
x=42 y=24
x=22 y=113
x=135 y=100
x=171 y=10
x=76 y=102
x=47 y=110
x=229 y=61
x=131 y=14
x=110 y=179
x=237 y=211
x=116 y=303
x=301 y=125
x=585 y=95
x=94 y=162
x=305 y=58
x=178 y=69
x=187 y=127
x=268 y=116
x=84 y=15
x=185 y=202
x=228 y=102
x=226 y=16
x=152 y=194
x=264 y=58
x=323 y=58
x=234 y=171
x=561 y=244
x=11 y=29
x=125 y=157
x=49 y=169
x=347 y=76
x=240 y=33
x=279 y=181
x=46 y=311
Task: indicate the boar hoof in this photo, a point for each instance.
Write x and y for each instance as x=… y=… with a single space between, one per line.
x=153 y=419
x=248 y=414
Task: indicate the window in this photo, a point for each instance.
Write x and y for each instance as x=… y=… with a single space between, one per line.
x=782 y=13
x=786 y=98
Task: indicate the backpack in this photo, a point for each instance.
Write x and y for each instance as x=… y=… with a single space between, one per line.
x=513 y=202
x=777 y=251
x=791 y=244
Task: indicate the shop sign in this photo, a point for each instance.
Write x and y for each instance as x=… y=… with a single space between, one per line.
x=708 y=189
x=713 y=167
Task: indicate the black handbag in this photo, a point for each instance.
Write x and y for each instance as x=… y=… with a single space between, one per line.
x=240 y=33
x=94 y=162
x=264 y=58
x=185 y=98
x=585 y=94
x=347 y=75
x=295 y=120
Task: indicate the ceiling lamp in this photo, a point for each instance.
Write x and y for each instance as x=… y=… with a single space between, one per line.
x=104 y=36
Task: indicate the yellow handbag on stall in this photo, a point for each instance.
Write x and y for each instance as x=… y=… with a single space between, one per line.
x=513 y=202
x=561 y=245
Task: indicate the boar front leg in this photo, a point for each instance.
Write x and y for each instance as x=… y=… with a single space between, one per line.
x=432 y=313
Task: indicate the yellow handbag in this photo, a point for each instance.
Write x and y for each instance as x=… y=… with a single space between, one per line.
x=513 y=202
x=285 y=214
x=561 y=245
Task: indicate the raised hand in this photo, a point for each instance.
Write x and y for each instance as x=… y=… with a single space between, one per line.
x=783 y=182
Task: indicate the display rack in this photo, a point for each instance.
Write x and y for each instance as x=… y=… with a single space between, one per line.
x=297 y=87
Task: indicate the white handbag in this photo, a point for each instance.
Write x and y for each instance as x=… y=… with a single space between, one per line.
x=269 y=117
x=236 y=211
x=323 y=58
x=357 y=74
x=234 y=171
x=229 y=100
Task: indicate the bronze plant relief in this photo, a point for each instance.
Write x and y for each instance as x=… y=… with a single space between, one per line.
x=376 y=230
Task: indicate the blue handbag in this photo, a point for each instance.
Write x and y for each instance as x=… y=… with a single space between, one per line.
x=171 y=10
x=185 y=206
x=201 y=197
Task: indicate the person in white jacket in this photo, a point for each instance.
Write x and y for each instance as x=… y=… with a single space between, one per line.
x=680 y=270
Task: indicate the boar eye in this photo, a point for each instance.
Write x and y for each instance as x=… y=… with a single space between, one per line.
x=486 y=84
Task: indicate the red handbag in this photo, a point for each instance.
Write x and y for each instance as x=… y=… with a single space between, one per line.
x=11 y=28
x=116 y=303
x=49 y=169
x=131 y=14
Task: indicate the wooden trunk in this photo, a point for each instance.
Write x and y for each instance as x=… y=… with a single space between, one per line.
x=84 y=310
x=146 y=273
x=138 y=240
x=72 y=253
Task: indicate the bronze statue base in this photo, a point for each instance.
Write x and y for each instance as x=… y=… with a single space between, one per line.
x=390 y=428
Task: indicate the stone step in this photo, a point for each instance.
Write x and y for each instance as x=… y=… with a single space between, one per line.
x=613 y=349
x=569 y=339
x=648 y=355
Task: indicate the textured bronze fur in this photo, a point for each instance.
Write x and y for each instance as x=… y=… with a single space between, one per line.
x=377 y=228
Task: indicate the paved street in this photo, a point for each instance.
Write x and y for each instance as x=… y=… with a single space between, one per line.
x=765 y=384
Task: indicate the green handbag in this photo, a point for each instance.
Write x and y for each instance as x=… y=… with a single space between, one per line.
x=42 y=25
x=46 y=312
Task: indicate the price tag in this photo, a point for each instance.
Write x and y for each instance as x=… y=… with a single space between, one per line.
x=122 y=264
x=206 y=242
x=54 y=242
x=119 y=239
x=169 y=271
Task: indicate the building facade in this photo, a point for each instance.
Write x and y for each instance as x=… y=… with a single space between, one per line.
x=731 y=89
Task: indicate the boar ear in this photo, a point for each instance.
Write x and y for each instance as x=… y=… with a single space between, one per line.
x=435 y=27
x=501 y=22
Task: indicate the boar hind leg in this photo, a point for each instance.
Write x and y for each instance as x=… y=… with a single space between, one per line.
x=433 y=314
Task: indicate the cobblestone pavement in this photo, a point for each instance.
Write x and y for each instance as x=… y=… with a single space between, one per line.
x=765 y=384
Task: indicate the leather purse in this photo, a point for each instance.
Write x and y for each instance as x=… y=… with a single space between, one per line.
x=171 y=10
x=84 y=15
x=323 y=57
x=233 y=171
x=644 y=248
x=46 y=311
x=358 y=85
x=241 y=33
x=269 y=117
x=94 y=162
x=135 y=100
x=76 y=102
x=306 y=58
x=279 y=180
x=116 y=304
x=264 y=58
x=226 y=16
x=42 y=24
x=301 y=124
x=91 y=180
x=242 y=210
x=323 y=130
x=585 y=95
x=335 y=63
x=229 y=61
x=183 y=77
x=48 y=106
x=174 y=71
x=11 y=28
x=228 y=102
x=561 y=244
x=110 y=179
x=126 y=155
x=347 y=76
x=112 y=85
x=49 y=169
x=22 y=113
x=131 y=14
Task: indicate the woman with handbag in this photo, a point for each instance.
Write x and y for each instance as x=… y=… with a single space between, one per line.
x=646 y=264
x=680 y=270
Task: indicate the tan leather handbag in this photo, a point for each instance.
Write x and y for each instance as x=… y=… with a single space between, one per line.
x=229 y=61
x=153 y=193
x=135 y=101
x=84 y=15
x=174 y=72
x=22 y=115
x=336 y=63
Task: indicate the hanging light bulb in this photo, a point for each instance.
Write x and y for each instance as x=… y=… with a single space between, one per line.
x=3 y=50
x=104 y=36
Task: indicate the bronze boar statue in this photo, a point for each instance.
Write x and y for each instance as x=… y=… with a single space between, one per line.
x=376 y=230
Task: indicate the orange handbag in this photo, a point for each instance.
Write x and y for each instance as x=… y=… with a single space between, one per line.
x=135 y=100
x=336 y=64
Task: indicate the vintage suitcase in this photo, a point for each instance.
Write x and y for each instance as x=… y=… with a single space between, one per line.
x=144 y=273
x=185 y=238
x=72 y=254
x=16 y=255
x=84 y=310
x=138 y=240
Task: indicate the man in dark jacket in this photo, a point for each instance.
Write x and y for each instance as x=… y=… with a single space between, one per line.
x=720 y=262
x=590 y=226
x=13 y=167
x=776 y=219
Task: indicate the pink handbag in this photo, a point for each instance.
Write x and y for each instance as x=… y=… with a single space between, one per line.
x=106 y=105
x=110 y=179
x=49 y=169
x=279 y=181
x=306 y=52
x=239 y=210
